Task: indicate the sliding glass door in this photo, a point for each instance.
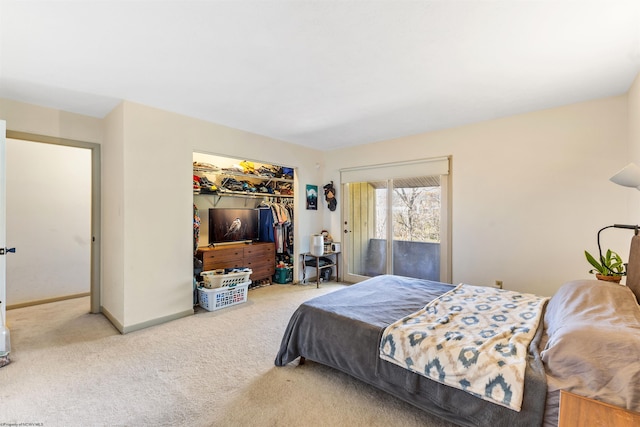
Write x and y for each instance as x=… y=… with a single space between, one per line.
x=397 y=226
x=361 y=229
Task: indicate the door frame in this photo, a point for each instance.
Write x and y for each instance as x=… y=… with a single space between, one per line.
x=95 y=285
x=3 y=224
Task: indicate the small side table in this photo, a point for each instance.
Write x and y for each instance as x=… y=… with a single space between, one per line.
x=329 y=255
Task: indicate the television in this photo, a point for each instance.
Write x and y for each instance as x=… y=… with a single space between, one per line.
x=228 y=225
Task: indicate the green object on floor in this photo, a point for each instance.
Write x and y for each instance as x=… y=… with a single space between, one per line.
x=283 y=275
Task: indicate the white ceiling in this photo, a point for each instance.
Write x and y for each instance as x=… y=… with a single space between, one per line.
x=325 y=74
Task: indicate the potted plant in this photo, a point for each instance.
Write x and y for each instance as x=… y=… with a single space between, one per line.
x=610 y=268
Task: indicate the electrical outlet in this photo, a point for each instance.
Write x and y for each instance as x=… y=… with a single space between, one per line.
x=498 y=284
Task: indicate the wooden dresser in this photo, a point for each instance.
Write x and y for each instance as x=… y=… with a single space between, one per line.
x=581 y=411
x=259 y=257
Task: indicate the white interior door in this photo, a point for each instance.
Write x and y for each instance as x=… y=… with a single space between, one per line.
x=3 y=219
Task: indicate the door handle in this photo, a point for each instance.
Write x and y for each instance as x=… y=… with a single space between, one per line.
x=7 y=250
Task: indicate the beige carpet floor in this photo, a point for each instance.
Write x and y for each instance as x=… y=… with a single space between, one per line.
x=72 y=368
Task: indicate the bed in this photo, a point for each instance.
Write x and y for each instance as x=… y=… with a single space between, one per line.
x=587 y=341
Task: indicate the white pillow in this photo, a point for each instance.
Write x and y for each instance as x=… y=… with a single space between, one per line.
x=593 y=346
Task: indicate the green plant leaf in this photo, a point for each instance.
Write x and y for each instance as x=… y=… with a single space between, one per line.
x=594 y=263
x=610 y=264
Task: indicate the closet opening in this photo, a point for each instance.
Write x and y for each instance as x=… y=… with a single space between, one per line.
x=243 y=218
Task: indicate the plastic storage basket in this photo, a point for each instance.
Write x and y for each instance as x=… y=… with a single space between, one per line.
x=215 y=299
x=215 y=279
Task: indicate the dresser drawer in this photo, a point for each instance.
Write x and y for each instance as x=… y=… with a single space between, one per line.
x=261 y=263
x=222 y=254
x=259 y=250
x=215 y=258
x=259 y=257
x=262 y=272
x=215 y=265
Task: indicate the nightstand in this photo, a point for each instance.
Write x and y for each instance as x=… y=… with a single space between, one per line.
x=318 y=267
x=584 y=412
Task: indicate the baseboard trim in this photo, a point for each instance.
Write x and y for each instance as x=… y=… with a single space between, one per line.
x=112 y=319
x=48 y=300
x=143 y=325
x=158 y=321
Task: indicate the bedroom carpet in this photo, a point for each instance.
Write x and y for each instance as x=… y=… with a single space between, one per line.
x=72 y=368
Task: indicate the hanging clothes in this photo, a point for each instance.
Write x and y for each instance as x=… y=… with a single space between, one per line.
x=276 y=224
x=289 y=207
x=196 y=228
x=266 y=224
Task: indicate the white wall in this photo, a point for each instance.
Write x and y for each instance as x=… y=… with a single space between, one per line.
x=633 y=153
x=48 y=221
x=21 y=117
x=112 y=191
x=529 y=192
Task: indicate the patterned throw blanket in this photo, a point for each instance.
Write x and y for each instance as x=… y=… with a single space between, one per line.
x=472 y=338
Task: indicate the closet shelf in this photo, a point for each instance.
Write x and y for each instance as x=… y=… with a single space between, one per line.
x=205 y=170
x=222 y=172
x=242 y=194
x=254 y=176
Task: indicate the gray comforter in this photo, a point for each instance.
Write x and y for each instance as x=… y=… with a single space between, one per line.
x=343 y=330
